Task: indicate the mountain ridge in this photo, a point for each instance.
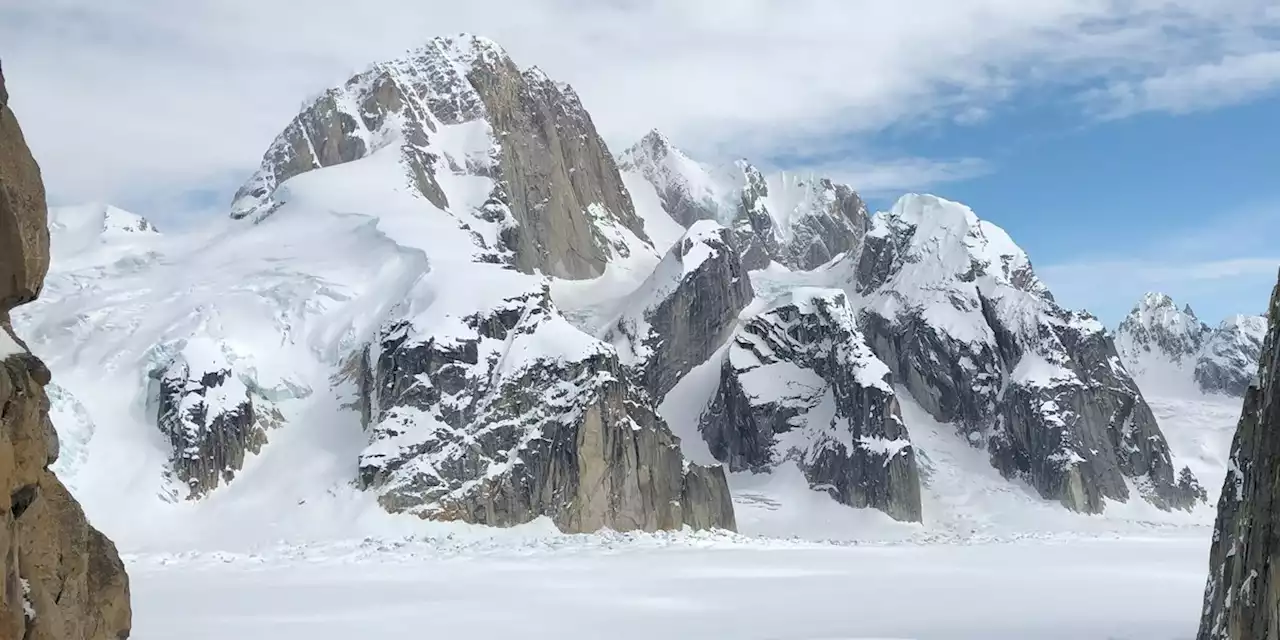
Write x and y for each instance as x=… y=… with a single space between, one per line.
x=443 y=293
x=1172 y=351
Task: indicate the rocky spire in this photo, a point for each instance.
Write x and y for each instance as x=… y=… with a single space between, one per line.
x=59 y=577
x=1242 y=597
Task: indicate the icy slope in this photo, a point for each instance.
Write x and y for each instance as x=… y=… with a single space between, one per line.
x=1171 y=352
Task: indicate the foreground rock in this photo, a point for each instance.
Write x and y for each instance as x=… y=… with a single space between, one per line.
x=1242 y=597
x=520 y=415
x=955 y=310
x=685 y=310
x=799 y=384
x=60 y=579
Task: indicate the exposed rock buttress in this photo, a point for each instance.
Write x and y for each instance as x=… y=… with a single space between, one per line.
x=1242 y=597
x=60 y=579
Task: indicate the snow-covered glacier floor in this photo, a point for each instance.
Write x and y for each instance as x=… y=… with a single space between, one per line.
x=702 y=587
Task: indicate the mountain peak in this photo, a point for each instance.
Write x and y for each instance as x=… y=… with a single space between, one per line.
x=466 y=48
x=1155 y=300
x=946 y=239
x=656 y=138
x=1171 y=351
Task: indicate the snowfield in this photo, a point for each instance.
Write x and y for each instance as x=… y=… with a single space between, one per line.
x=679 y=586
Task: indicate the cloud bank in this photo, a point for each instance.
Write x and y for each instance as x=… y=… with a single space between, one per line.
x=135 y=99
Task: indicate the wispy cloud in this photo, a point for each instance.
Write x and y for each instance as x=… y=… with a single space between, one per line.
x=1226 y=265
x=123 y=98
x=1200 y=87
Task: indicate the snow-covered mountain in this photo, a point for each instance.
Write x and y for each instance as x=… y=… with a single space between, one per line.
x=440 y=296
x=955 y=309
x=1171 y=352
x=801 y=221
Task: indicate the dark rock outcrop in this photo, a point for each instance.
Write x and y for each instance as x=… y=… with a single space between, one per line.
x=209 y=417
x=558 y=200
x=799 y=384
x=485 y=427
x=955 y=310
x=1242 y=596
x=685 y=310
x=60 y=579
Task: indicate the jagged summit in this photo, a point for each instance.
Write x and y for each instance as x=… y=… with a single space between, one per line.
x=512 y=155
x=1172 y=352
x=953 y=307
x=948 y=240
x=799 y=220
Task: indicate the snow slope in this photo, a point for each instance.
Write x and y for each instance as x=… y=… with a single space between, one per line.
x=705 y=587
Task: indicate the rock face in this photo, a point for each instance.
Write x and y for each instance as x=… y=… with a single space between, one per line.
x=1226 y=364
x=1170 y=351
x=800 y=221
x=955 y=310
x=557 y=195
x=1242 y=596
x=685 y=310
x=799 y=384
x=59 y=577
x=209 y=417
x=520 y=415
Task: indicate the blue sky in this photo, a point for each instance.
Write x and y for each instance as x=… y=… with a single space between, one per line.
x=1127 y=145
x=1145 y=193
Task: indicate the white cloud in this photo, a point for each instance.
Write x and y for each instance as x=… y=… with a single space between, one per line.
x=125 y=99
x=1200 y=87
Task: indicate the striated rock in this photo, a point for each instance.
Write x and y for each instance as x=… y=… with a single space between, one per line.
x=955 y=310
x=685 y=310
x=799 y=384
x=60 y=579
x=208 y=415
x=24 y=236
x=558 y=201
x=1242 y=595
x=516 y=415
x=802 y=222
